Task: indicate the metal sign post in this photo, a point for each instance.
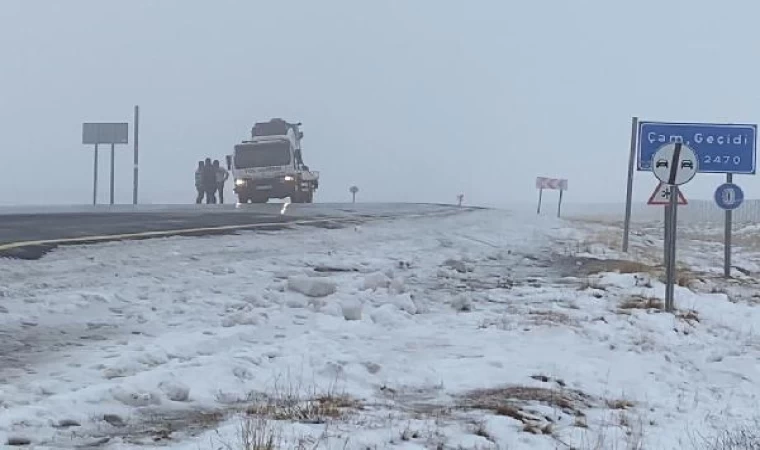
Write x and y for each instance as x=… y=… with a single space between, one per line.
x=113 y=170
x=540 y=199
x=728 y=196
x=670 y=268
x=662 y=196
x=136 y=158
x=629 y=189
x=95 y=179
x=674 y=165
x=104 y=133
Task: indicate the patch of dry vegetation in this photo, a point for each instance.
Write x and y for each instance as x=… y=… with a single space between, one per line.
x=689 y=316
x=292 y=403
x=590 y=266
x=641 y=302
x=550 y=317
x=515 y=401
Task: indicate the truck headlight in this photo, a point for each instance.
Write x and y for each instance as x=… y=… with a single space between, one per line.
x=289 y=178
x=239 y=182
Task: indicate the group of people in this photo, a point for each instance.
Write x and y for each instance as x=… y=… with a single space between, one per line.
x=209 y=179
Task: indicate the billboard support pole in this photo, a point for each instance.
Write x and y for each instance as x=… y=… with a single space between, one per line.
x=113 y=167
x=95 y=178
x=136 y=169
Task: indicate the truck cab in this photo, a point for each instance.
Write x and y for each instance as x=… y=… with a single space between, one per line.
x=270 y=165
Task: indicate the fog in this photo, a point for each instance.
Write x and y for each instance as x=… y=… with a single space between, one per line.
x=410 y=100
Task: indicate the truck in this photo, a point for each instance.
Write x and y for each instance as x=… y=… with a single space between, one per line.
x=270 y=165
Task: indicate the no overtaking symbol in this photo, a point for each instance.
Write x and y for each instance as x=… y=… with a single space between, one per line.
x=675 y=164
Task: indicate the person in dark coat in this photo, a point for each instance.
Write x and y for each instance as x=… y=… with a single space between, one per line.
x=199 y=183
x=221 y=177
x=209 y=181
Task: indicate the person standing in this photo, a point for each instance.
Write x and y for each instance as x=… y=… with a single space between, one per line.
x=221 y=177
x=209 y=181
x=199 y=183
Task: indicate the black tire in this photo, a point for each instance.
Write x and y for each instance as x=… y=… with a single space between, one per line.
x=258 y=199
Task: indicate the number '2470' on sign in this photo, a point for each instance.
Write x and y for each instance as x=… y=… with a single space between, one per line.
x=724 y=159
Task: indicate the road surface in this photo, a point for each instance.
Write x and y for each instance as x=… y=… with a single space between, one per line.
x=28 y=233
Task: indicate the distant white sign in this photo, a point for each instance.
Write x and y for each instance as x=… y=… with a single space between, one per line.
x=105 y=133
x=551 y=183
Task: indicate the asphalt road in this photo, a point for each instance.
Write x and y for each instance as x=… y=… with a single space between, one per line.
x=28 y=233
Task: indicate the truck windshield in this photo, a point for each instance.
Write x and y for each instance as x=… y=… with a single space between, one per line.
x=272 y=128
x=262 y=155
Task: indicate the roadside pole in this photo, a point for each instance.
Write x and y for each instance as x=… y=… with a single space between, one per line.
x=113 y=170
x=673 y=164
x=727 y=235
x=728 y=197
x=95 y=179
x=629 y=191
x=666 y=234
x=661 y=197
x=540 y=198
x=136 y=171
x=670 y=269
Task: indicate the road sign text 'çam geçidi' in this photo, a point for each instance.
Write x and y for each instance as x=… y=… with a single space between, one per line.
x=720 y=148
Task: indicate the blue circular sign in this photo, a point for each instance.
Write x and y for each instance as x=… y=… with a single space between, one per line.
x=729 y=196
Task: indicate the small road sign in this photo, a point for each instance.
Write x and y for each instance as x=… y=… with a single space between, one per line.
x=551 y=183
x=105 y=133
x=729 y=196
x=556 y=184
x=661 y=196
x=720 y=148
x=675 y=164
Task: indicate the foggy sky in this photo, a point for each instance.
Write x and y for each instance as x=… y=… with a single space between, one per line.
x=411 y=100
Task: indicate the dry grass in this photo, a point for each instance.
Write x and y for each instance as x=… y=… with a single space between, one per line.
x=290 y=400
x=689 y=316
x=620 y=404
x=620 y=432
x=550 y=317
x=258 y=433
x=589 y=266
x=296 y=407
x=740 y=438
x=514 y=402
x=641 y=302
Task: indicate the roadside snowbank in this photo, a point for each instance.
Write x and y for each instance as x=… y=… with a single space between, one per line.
x=386 y=335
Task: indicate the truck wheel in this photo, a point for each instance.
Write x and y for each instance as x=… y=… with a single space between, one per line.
x=243 y=199
x=258 y=199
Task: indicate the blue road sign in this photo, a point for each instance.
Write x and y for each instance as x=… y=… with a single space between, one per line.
x=729 y=196
x=721 y=148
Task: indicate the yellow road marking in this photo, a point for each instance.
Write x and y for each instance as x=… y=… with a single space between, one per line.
x=148 y=234
x=181 y=231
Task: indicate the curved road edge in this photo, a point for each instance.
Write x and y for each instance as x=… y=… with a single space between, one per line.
x=121 y=226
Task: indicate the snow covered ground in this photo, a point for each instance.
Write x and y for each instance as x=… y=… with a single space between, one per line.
x=486 y=329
